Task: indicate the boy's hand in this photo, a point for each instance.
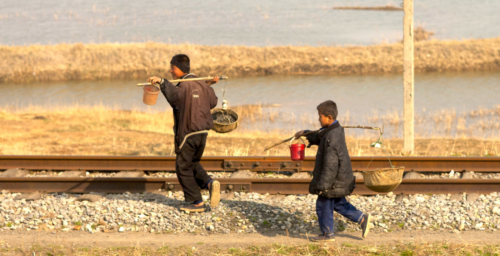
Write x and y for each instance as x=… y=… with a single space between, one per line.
x=213 y=81
x=154 y=80
x=299 y=133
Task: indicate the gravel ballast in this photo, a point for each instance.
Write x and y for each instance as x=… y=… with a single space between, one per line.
x=242 y=212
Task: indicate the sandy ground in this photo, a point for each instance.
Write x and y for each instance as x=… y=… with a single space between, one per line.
x=84 y=239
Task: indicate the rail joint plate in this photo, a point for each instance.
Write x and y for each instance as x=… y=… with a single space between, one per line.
x=266 y=165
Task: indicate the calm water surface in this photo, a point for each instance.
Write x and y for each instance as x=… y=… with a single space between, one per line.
x=359 y=97
x=237 y=22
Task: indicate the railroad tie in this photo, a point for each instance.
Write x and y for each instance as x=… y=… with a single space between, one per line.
x=274 y=198
x=467 y=175
x=358 y=175
x=227 y=196
x=400 y=197
x=158 y=196
x=243 y=174
x=301 y=175
x=457 y=197
x=90 y=197
x=472 y=197
x=16 y=172
x=73 y=173
x=29 y=196
x=412 y=175
x=129 y=174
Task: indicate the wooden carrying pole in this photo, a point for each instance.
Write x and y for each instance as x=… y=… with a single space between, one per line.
x=311 y=132
x=189 y=79
x=408 y=91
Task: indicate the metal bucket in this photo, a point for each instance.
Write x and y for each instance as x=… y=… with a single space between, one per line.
x=150 y=94
x=223 y=127
x=384 y=180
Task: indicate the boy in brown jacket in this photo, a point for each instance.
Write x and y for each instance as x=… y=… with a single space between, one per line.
x=191 y=102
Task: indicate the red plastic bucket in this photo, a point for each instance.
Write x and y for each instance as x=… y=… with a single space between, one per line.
x=297 y=151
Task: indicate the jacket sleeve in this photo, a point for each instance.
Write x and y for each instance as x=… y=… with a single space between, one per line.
x=313 y=138
x=213 y=97
x=330 y=167
x=343 y=154
x=172 y=93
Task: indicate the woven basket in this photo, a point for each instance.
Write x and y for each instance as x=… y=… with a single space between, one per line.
x=383 y=180
x=223 y=128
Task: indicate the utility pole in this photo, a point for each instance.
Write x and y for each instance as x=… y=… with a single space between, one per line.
x=408 y=92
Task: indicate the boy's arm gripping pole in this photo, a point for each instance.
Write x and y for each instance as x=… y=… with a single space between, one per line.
x=307 y=133
x=287 y=140
x=189 y=79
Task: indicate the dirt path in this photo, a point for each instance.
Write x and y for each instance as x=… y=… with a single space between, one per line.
x=84 y=239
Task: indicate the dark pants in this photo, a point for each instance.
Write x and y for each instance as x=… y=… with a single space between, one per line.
x=326 y=206
x=189 y=171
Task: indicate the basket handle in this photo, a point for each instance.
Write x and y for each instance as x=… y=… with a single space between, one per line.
x=294 y=138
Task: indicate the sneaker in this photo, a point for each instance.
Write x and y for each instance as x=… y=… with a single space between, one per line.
x=365 y=225
x=323 y=238
x=193 y=208
x=214 y=193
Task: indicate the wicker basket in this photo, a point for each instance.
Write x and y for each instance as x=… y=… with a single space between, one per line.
x=384 y=180
x=223 y=128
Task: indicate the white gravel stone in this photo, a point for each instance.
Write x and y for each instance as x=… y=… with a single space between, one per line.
x=245 y=212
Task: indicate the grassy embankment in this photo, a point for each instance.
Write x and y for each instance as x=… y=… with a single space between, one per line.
x=81 y=130
x=139 y=60
x=408 y=249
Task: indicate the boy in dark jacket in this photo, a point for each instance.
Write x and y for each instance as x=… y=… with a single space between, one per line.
x=333 y=179
x=191 y=102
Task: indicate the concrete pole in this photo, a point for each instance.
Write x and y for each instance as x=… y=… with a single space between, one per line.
x=408 y=92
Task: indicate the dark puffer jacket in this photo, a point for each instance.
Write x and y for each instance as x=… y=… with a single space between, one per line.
x=332 y=174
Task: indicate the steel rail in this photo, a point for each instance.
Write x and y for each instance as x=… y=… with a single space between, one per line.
x=259 y=185
x=254 y=163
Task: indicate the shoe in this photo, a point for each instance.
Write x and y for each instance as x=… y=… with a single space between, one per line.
x=365 y=225
x=214 y=193
x=323 y=238
x=193 y=208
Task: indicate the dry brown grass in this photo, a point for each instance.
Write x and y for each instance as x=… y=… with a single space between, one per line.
x=420 y=34
x=139 y=60
x=98 y=130
x=405 y=249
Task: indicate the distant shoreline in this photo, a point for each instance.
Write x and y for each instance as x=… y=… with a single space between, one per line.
x=370 y=8
x=65 y=62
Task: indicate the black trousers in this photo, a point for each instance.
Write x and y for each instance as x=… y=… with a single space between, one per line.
x=189 y=171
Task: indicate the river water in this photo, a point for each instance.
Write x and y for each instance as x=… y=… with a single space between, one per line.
x=361 y=99
x=238 y=22
x=367 y=100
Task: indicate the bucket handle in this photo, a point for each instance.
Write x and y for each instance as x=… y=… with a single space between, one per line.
x=294 y=138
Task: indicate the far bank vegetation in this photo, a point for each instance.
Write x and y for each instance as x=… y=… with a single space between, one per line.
x=64 y=62
x=388 y=7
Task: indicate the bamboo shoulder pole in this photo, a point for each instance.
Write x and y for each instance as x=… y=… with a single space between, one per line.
x=189 y=79
x=311 y=132
x=408 y=78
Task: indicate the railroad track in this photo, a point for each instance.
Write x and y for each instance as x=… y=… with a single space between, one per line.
x=232 y=164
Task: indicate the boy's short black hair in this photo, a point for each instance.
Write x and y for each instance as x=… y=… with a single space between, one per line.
x=328 y=108
x=182 y=62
